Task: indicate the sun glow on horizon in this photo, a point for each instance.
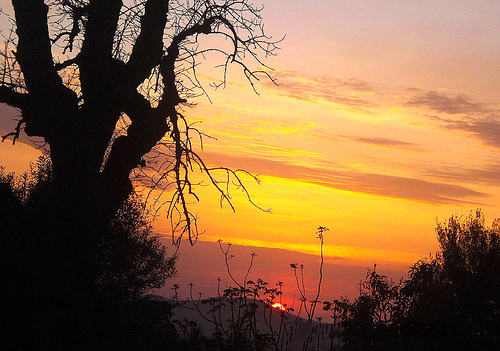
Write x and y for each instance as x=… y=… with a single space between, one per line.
x=278 y=306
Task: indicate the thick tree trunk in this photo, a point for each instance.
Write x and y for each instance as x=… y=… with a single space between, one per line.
x=79 y=182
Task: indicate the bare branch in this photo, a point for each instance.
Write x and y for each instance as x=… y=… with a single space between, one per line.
x=15 y=133
x=175 y=172
x=12 y=98
x=33 y=48
x=148 y=48
x=77 y=13
x=67 y=63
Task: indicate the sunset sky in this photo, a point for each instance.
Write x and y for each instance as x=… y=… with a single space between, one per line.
x=385 y=117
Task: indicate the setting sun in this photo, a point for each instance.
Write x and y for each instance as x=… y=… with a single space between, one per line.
x=278 y=306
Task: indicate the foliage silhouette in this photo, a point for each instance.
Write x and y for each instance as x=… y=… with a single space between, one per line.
x=243 y=317
x=41 y=281
x=309 y=305
x=449 y=301
x=435 y=308
x=236 y=311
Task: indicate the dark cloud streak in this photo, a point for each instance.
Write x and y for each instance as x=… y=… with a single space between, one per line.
x=476 y=118
x=385 y=142
x=487 y=131
x=489 y=176
x=445 y=103
x=347 y=93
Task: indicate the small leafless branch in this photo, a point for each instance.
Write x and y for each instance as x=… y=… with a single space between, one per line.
x=15 y=133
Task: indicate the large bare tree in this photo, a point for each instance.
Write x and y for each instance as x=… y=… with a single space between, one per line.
x=76 y=69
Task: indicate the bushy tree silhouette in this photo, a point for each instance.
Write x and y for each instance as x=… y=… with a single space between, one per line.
x=51 y=311
x=449 y=301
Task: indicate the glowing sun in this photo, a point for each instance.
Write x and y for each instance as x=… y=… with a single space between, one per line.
x=278 y=306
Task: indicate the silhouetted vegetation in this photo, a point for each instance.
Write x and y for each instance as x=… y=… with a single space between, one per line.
x=450 y=301
x=54 y=308
x=241 y=316
x=250 y=315
x=306 y=304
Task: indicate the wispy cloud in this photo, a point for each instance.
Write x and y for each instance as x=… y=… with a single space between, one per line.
x=332 y=252
x=280 y=127
x=452 y=111
x=353 y=93
x=486 y=130
x=403 y=188
x=490 y=175
x=460 y=112
x=341 y=178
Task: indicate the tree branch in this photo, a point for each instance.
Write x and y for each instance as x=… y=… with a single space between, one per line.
x=77 y=13
x=12 y=98
x=101 y=28
x=149 y=125
x=148 y=49
x=97 y=69
x=170 y=97
x=49 y=102
x=34 y=47
x=15 y=133
x=67 y=63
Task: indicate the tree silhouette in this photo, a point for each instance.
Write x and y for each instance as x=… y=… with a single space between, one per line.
x=104 y=82
x=449 y=301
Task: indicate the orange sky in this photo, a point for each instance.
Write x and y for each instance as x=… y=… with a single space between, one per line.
x=385 y=117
